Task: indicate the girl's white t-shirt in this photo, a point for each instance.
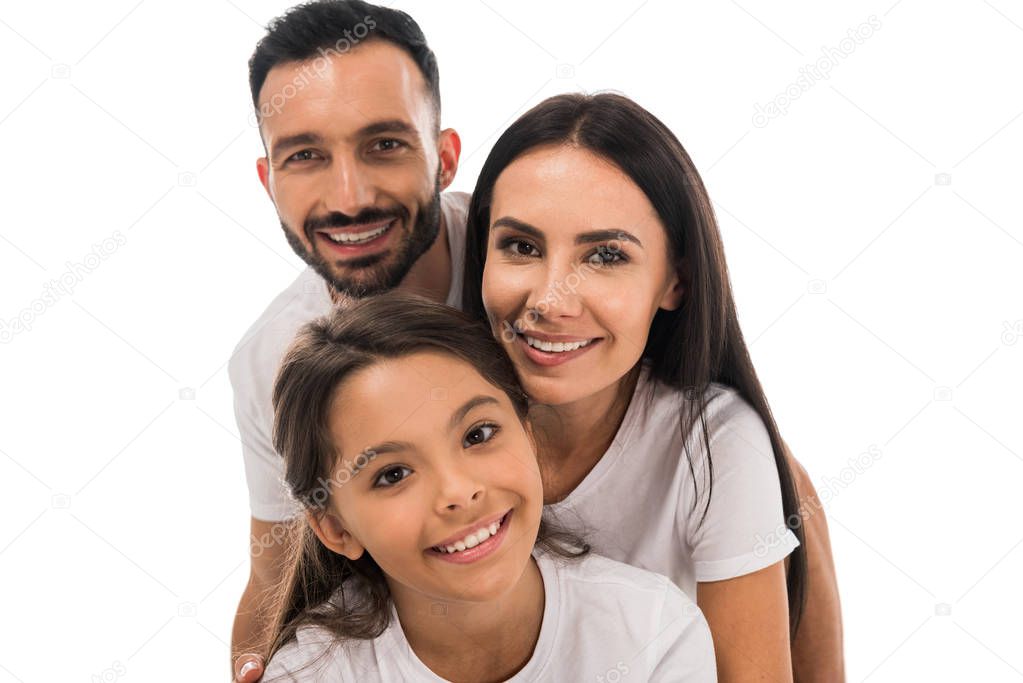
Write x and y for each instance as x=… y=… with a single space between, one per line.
x=602 y=621
x=642 y=505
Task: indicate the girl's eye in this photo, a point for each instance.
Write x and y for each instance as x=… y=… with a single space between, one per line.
x=391 y=476
x=519 y=248
x=606 y=256
x=481 y=434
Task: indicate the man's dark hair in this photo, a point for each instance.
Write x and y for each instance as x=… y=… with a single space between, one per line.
x=324 y=27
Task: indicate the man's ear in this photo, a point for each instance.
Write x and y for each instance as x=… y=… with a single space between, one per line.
x=449 y=148
x=331 y=532
x=263 y=171
x=672 y=298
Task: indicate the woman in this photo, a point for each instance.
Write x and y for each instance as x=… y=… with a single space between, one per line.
x=593 y=253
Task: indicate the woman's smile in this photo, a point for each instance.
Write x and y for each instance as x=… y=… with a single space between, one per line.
x=547 y=353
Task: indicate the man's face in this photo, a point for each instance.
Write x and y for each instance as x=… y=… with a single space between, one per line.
x=354 y=163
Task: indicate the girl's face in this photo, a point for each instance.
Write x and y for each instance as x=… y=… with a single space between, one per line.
x=430 y=453
x=576 y=255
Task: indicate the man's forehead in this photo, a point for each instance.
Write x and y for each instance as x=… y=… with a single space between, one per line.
x=374 y=82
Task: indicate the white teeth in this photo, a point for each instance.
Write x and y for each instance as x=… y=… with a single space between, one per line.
x=555 y=347
x=472 y=540
x=358 y=237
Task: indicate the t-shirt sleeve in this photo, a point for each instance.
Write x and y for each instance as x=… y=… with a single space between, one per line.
x=683 y=649
x=744 y=528
x=269 y=499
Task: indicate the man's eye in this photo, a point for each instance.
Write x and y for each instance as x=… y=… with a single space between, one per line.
x=481 y=434
x=391 y=476
x=304 y=155
x=388 y=145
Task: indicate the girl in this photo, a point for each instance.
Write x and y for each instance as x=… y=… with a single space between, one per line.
x=424 y=558
x=593 y=255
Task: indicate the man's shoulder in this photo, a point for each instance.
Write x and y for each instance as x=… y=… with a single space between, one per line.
x=260 y=349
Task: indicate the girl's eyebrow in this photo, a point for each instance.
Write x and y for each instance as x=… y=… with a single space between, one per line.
x=581 y=238
x=397 y=446
x=460 y=414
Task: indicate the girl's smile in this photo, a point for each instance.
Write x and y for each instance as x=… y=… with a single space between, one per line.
x=476 y=545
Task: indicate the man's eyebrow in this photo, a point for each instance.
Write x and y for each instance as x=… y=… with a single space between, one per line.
x=581 y=238
x=295 y=140
x=388 y=126
x=360 y=461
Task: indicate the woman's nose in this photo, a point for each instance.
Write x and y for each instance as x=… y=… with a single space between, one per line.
x=556 y=292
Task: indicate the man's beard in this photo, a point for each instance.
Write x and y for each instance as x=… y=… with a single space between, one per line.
x=377 y=276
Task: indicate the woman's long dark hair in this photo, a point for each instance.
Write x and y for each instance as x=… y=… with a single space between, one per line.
x=324 y=354
x=690 y=347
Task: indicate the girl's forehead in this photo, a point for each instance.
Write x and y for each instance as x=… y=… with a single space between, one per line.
x=410 y=398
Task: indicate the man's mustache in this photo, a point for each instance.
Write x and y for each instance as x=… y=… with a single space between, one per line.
x=336 y=219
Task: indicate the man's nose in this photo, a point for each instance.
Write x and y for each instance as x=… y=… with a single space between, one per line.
x=348 y=189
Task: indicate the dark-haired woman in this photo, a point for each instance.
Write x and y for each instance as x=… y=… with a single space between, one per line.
x=594 y=256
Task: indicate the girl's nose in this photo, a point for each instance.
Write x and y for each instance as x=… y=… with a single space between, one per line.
x=458 y=489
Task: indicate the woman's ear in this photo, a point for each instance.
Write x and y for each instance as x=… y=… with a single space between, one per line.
x=331 y=532
x=672 y=298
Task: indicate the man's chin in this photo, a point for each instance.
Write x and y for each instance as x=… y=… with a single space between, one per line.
x=368 y=282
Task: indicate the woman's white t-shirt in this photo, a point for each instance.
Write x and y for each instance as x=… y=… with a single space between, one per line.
x=639 y=504
x=602 y=621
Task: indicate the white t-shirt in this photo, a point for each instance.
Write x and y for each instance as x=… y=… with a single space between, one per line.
x=253 y=366
x=637 y=504
x=602 y=621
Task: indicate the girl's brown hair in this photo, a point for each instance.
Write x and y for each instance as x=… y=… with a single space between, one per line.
x=325 y=353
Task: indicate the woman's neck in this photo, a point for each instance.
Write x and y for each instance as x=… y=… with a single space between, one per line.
x=473 y=641
x=573 y=437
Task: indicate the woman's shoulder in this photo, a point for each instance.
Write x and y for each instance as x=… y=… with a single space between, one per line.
x=595 y=578
x=723 y=407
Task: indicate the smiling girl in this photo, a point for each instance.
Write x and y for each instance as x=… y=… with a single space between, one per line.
x=423 y=555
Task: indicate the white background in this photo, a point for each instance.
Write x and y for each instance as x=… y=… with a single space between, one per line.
x=873 y=233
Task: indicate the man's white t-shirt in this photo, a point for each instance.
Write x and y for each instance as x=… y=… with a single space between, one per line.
x=602 y=621
x=253 y=366
x=639 y=504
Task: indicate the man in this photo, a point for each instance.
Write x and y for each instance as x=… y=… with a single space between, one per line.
x=348 y=104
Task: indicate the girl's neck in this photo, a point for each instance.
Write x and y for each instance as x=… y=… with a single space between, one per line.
x=574 y=436
x=463 y=641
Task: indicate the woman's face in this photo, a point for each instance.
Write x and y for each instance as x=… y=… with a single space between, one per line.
x=429 y=451
x=576 y=255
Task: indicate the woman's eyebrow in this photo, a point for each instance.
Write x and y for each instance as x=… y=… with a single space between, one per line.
x=581 y=238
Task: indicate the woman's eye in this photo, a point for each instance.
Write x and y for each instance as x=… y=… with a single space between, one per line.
x=520 y=248
x=481 y=434
x=606 y=256
x=391 y=476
